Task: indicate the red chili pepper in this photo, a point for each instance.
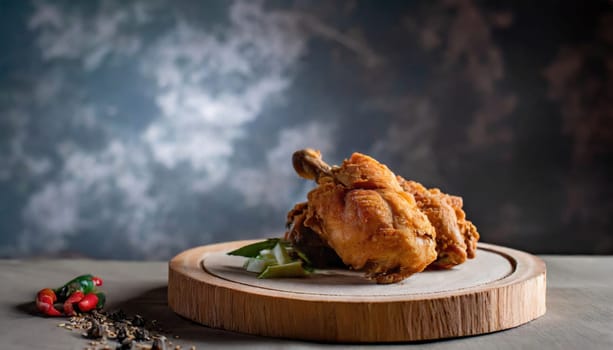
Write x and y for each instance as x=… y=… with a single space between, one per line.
x=88 y=303
x=80 y=291
x=44 y=302
x=97 y=281
x=69 y=303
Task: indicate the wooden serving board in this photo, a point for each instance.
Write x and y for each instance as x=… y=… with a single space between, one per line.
x=499 y=289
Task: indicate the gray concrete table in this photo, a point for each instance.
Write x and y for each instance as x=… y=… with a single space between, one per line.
x=579 y=309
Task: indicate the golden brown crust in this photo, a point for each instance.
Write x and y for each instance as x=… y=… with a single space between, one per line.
x=451 y=244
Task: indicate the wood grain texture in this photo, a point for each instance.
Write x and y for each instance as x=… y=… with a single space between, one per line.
x=215 y=302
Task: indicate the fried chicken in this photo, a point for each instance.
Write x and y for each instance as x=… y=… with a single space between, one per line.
x=456 y=238
x=363 y=216
x=360 y=210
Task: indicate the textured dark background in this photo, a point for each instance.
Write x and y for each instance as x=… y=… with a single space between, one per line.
x=136 y=129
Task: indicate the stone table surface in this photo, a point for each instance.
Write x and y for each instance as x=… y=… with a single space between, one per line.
x=579 y=309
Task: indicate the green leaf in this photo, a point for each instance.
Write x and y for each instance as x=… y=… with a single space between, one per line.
x=252 y=250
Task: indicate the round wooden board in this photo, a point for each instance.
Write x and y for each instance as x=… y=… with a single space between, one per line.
x=501 y=288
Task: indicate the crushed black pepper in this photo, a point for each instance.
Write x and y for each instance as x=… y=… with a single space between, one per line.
x=116 y=330
x=95 y=331
x=121 y=332
x=138 y=321
x=141 y=334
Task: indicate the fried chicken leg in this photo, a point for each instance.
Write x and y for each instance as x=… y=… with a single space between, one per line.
x=360 y=210
x=375 y=221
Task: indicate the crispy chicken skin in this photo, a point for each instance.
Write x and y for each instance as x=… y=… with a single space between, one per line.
x=468 y=230
x=360 y=210
x=456 y=238
x=308 y=241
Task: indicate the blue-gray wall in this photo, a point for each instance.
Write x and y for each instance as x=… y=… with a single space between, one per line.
x=136 y=129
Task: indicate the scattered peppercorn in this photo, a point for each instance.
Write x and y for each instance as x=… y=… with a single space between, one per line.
x=95 y=331
x=141 y=334
x=138 y=321
x=117 y=315
x=121 y=331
